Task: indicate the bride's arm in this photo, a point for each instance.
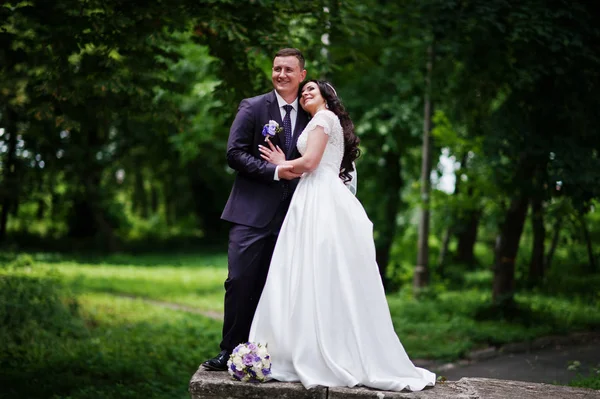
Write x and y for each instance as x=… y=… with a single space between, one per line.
x=315 y=147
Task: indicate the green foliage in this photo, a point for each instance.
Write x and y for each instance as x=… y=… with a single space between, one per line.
x=132 y=350
x=447 y=325
x=34 y=311
x=123 y=107
x=591 y=381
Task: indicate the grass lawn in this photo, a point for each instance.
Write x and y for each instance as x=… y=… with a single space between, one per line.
x=78 y=327
x=93 y=343
x=451 y=325
x=128 y=349
x=186 y=280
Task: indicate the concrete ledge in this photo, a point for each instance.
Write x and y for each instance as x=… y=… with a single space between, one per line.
x=219 y=385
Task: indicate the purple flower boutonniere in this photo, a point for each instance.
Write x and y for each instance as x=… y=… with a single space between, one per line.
x=271 y=129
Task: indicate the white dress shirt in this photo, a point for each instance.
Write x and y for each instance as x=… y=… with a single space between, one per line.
x=293 y=112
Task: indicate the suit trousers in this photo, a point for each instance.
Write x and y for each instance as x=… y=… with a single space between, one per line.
x=249 y=256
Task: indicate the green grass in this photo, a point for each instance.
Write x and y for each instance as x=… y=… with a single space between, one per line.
x=133 y=350
x=128 y=349
x=201 y=287
x=183 y=279
x=79 y=326
x=591 y=382
x=97 y=344
x=450 y=325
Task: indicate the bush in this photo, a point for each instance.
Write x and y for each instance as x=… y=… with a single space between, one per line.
x=592 y=381
x=33 y=310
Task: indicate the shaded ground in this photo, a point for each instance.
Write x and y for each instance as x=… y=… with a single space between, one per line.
x=548 y=365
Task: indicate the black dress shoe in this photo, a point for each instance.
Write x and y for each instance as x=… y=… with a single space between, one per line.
x=217 y=363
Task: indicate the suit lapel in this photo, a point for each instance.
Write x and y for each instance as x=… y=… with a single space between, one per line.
x=275 y=114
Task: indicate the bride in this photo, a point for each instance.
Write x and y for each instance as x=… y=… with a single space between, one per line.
x=323 y=311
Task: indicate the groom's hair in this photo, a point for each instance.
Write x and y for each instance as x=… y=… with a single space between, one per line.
x=292 y=52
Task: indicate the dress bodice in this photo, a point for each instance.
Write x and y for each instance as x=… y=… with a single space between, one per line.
x=334 y=150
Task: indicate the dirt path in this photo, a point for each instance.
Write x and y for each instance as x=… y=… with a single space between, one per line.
x=211 y=314
x=547 y=365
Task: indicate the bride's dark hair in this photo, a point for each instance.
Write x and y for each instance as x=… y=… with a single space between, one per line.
x=351 y=141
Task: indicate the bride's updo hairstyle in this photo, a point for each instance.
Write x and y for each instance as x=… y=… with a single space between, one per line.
x=351 y=141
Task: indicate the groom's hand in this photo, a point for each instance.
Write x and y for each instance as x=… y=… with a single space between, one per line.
x=285 y=172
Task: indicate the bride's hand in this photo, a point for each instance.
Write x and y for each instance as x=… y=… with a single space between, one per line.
x=273 y=154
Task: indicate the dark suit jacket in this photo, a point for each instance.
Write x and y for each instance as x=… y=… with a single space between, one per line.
x=255 y=195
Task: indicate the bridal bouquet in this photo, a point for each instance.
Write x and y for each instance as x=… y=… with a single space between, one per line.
x=250 y=362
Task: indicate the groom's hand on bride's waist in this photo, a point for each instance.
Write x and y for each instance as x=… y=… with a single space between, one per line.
x=285 y=172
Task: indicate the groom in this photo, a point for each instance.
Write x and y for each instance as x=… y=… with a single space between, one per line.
x=260 y=196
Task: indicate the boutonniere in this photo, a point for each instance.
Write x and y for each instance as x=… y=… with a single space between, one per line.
x=271 y=129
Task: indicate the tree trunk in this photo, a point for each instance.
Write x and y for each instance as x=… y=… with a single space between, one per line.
x=81 y=221
x=207 y=202
x=497 y=242
x=167 y=199
x=588 y=241
x=41 y=209
x=393 y=184
x=154 y=198
x=444 y=250
x=88 y=218
x=140 y=200
x=333 y=37
x=10 y=171
x=508 y=246
x=536 y=267
x=452 y=219
x=465 y=251
x=421 y=275
x=41 y=204
x=555 y=236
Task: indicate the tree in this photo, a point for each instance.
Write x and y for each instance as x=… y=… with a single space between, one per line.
x=421 y=276
x=99 y=81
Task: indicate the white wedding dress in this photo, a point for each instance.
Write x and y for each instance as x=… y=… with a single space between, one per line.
x=323 y=313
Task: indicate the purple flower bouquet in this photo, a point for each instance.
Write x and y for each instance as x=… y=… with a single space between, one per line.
x=250 y=362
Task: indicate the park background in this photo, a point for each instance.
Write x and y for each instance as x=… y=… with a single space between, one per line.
x=480 y=168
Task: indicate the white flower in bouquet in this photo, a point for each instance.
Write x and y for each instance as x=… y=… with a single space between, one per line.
x=237 y=361
x=262 y=352
x=244 y=350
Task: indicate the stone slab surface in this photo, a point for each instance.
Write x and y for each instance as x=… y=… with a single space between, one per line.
x=219 y=384
x=474 y=388
x=213 y=385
